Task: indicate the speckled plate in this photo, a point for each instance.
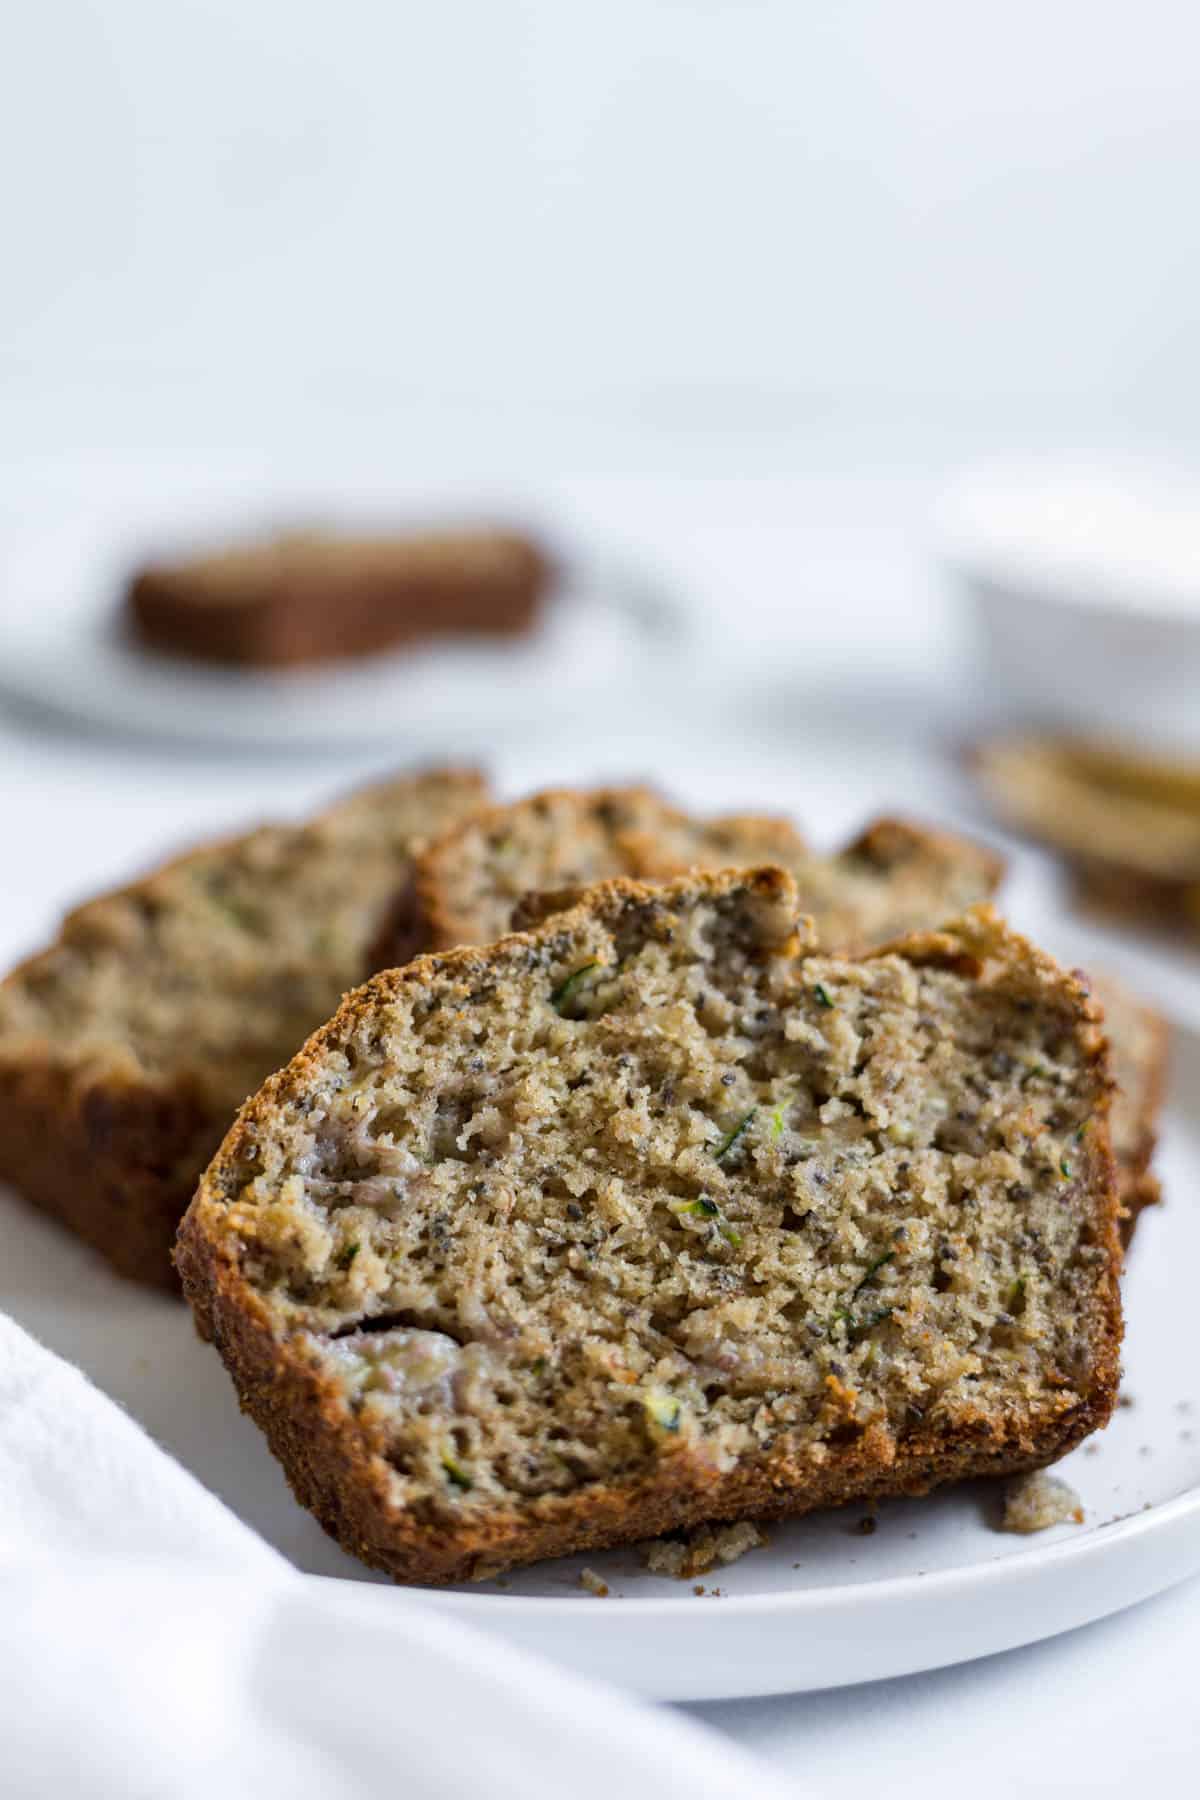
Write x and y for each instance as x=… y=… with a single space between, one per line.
x=823 y=1604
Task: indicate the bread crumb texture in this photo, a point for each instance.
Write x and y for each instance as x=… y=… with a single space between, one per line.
x=659 y=1215
x=695 y=1552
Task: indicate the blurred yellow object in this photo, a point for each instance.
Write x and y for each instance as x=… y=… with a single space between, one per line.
x=1128 y=823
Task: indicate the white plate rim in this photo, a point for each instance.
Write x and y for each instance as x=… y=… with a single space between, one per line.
x=834 y=1637
x=892 y=1590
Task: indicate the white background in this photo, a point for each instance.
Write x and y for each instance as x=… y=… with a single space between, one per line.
x=679 y=209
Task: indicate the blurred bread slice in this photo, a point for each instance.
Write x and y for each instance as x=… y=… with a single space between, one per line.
x=895 y=877
x=1139 y=1041
x=309 y=597
x=129 y=1043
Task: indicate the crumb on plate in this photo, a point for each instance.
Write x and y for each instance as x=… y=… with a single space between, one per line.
x=693 y=1553
x=1035 y=1502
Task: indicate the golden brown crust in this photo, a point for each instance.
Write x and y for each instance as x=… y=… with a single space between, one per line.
x=106 y=1147
x=885 y=846
x=742 y=840
x=341 y=1475
x=1141 y=1100
x=888 y=843
x=420 y=918
x=309 y=599
x=535 y=908
x=406 y=930
x=1138 y=1191
x=423 y=915
x=115 y=1162
x=337 y=1465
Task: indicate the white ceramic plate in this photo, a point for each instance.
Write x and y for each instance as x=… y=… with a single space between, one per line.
x=937 y=1582
x=63 y=651
x=1097 y=564
x=822 y=1605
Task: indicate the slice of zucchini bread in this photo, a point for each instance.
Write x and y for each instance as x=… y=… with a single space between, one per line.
x=657 y=1215
x=128 y=1045
x=464 y=888
x=1140 y=1040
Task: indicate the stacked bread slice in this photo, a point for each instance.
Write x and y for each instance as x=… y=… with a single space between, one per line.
x=127 y=1047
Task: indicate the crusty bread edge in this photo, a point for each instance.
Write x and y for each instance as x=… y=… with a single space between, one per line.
x=890 y=838
x=1137 y=1184
x=114 y=1161
x=422 y=919
x=114 y=1155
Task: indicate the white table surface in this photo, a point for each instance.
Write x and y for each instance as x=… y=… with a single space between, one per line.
x=786 y=574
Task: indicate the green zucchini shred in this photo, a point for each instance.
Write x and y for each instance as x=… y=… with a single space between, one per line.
x=566 y=989
x=663 y=1409
x=704 y=1208
x=701 y=1208
x=858 y=1325
x=458 y=1476
x=873 y=1270
x=733 y=1137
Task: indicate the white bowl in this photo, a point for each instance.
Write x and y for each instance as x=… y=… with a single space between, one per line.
x=1083 y=581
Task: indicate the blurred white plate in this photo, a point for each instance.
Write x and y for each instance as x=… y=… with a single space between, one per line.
x=822 y=1605
x=63 y=651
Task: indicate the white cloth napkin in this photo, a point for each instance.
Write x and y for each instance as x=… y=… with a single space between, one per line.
x=152 y=1645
